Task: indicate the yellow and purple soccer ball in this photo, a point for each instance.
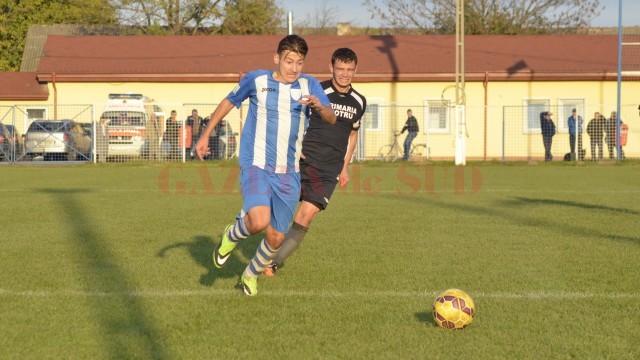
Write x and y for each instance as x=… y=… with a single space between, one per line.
x=453 y=309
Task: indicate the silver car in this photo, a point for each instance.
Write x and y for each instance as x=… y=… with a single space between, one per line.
x=58 y=139
x=11 y=146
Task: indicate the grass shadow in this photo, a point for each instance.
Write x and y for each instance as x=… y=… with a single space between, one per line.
x=128 y=332
x=575 y=204
x=201 y=248
x=506 y=212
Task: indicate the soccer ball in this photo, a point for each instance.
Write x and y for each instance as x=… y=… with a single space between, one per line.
x=453 y=309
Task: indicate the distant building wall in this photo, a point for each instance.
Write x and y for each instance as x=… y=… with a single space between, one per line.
x=432 y=104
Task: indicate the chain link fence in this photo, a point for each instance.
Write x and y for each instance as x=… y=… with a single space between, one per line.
x=509 y=133
x=588 y=134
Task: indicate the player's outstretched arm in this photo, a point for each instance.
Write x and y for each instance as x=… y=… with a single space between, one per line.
x=202 y=146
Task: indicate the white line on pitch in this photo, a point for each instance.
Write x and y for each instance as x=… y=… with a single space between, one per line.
x=535 y=295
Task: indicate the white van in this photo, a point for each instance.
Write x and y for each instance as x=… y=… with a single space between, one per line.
x=128 y=115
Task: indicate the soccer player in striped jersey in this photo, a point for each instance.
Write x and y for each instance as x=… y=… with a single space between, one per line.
x=327 y=151
x=280 y=103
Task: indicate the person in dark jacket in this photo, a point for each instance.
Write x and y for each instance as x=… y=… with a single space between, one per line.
x=411 y=125
x=611 y=138
x=548 y=129
x=171 y=133
x=595 y=129
x=193 y=121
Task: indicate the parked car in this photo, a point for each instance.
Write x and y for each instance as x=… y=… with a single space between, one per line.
x=11 y=144
x=58 y=139
x=223 y=141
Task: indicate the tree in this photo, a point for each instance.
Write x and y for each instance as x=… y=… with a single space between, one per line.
x=486 y=16
x=17 y=15
x=245 y=17
x=168 y=16
x=322 y=17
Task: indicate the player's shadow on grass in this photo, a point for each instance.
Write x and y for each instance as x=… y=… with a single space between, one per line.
x=580 y=205
x=201 y=251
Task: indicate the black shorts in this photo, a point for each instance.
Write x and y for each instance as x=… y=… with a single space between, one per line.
x=317 y=185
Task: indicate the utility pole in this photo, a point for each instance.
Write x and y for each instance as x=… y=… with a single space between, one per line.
x=460 y=84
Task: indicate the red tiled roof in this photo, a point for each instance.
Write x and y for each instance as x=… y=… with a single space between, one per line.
x=22 y=86
x=381 y=58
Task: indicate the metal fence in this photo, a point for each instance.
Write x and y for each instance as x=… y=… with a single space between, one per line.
x=87 y=132
x=592 y=136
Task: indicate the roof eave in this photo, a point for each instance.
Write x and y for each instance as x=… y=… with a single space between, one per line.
x=18 y=97
x=360 y=77
x=171 y=78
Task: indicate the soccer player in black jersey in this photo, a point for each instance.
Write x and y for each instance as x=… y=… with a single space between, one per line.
x=326 y=151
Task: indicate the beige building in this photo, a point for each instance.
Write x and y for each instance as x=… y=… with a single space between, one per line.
x=510 y=80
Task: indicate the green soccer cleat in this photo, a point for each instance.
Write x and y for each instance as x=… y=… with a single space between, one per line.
x=223 y=249
x=250 y=285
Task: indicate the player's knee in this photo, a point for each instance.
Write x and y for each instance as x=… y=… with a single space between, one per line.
x=306 y=213
x=305 y=219
x=257 y=225
x=257 y=222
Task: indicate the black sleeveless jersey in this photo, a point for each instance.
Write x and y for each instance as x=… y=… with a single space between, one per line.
x=324 y=146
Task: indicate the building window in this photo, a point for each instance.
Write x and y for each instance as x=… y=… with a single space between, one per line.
x=373 y=116
x=565 y=107
x=532 y=110
x=437 y=119
x=36 y=114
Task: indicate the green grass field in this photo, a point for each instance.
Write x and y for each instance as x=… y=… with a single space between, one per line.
x=114 y=261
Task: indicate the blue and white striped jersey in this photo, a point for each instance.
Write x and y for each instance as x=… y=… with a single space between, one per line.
x=276 y=122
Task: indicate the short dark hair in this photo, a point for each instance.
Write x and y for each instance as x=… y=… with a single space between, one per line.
x=345 y=55
x=293 y=43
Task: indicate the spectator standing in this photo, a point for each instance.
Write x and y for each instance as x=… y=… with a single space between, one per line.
x=193 y=121
x=548 y=129
x=218 y=142
x=573 y=131
x=411 y=125
x=171 y=133
x=611 y=139
x=595 y=129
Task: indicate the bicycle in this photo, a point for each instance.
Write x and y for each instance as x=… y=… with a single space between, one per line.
x=419 y=151
x=391 y=152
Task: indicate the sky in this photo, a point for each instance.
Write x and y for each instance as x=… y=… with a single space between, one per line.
x=354 y=12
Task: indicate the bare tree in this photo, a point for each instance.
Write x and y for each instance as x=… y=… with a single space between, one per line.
x=322 y=17
x=176 y=16
x=486 y=16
